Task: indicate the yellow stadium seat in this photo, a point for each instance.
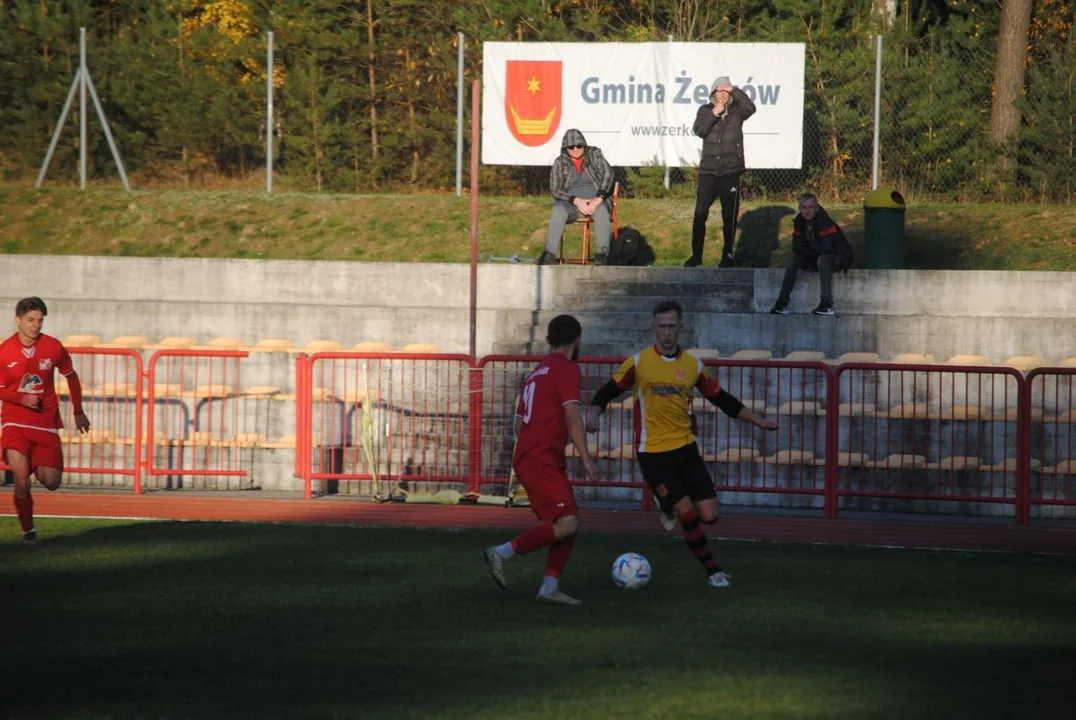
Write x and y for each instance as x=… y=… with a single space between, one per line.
x=752 y=355
x=241 y=440
x=968 y=360
x=315 y=346
x=1065 y=467
x=261 y=392
x=370 y=346
x=899 y=461
x=214 y=390
x=624 y=452
x=1069 y=362
x=81 y=341
x=358 y=395
x=805 y=356
x=909 y=411
x=963 y=412
x=858 y=357
x=914 y=359
x=126 y=342
x=788 y=457
x=847 y=459
x=420 y=349
x=285 y=443
x=856 y=409
x=1023 y=363
x=1011 y=415
x=173 y=343
x=956 y=462
x=797 y=407
x=1009 y=465
x=224 y=343
x=733 y=455
x=704 y=353
x=268 y=345
x=198 y=439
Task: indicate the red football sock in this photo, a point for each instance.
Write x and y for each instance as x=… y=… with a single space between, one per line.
x=558 y=556
x=534 y=539
x=25 y=509
x=696 y=540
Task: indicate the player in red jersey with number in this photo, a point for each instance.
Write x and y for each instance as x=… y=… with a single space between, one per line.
x=548 y=414
x=30 y=412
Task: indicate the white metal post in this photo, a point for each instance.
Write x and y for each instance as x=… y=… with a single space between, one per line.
x=877 y=107
x=269 y=117
x=459 y=116
x=667 y=181
x=82 y=108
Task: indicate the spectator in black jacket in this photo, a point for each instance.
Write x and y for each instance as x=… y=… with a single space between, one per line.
x=818 y=245
x=720 y=125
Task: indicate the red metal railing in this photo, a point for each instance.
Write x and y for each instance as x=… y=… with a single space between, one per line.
x=1049 y=438
x=196 y=420
x=936 y=433
x=396 y=421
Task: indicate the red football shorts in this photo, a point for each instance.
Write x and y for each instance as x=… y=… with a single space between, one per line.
x=548 y=490
x=40 y=446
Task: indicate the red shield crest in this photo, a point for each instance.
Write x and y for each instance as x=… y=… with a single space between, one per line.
x=532 y=100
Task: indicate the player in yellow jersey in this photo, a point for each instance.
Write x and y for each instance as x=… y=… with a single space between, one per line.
x=664 y=379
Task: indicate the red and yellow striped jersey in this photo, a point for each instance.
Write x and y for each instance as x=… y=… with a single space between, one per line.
x=663 y=390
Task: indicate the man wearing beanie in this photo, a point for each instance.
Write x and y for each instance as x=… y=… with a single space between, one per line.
x=720 y=125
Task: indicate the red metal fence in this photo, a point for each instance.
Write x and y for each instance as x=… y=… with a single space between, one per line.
x=855 y=436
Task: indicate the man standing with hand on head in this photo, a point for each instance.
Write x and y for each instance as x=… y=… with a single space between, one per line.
x=720 y=125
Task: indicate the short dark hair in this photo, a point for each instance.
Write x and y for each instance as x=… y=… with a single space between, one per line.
x=563 y=330
x=809 y=196
x=667 y=305
x=28 y=305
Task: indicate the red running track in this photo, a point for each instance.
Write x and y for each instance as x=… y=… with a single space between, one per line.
x=1003 y=536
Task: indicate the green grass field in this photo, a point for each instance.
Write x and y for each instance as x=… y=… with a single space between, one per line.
x=112 y=619
x=435 y=228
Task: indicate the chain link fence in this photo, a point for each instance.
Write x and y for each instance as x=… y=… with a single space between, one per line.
x=186 y=101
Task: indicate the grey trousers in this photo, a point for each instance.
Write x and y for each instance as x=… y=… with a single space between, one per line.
x=827 y=266
x=564 y=213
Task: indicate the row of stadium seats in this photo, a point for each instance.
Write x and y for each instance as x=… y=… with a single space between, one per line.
x=271 y=345
x=846 y=459
x=1020 y=362
x=194 y=439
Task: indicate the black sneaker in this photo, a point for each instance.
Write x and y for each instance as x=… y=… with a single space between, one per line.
x=726 y=261
x=824 y=308
x=546 y=258
x=30 y=537
x=601 y=259
x=780 y=307
x=693 y=261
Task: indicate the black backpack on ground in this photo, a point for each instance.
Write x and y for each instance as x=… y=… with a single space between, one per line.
x=630 y=248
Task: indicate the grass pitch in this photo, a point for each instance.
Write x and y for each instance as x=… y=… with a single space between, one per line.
x=118 y=619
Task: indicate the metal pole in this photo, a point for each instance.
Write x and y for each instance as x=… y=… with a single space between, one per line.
x=877 y=107
x=475 y=89
x=82 y=109
x=59 y=128
x=269 y=118
x=459 y=117
x=665 y=159
x=108 y=131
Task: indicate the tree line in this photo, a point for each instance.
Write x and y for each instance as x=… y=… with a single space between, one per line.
x=979 y=98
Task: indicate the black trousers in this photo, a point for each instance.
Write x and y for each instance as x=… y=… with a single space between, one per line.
x=710 y=189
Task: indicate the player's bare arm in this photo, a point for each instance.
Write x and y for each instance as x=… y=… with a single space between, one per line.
x=731 y=406
x=605 y=395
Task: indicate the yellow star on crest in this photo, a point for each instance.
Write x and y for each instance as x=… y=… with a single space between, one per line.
x=534 y=86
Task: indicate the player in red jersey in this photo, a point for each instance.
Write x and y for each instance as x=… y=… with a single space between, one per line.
x=547 y=414
x=30 y=412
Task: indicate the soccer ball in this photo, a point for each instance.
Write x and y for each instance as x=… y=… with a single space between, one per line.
x=631 y=571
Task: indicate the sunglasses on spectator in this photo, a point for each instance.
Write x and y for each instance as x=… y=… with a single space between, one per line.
x=576 y=147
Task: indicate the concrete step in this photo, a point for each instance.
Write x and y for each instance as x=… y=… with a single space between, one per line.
x=627 y=336
x=706 y=274
x=601 y=349
x=594 y=321
x=673 y=290
x=735 y=298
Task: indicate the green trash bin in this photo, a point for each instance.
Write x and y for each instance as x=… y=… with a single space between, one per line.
x=884 y=229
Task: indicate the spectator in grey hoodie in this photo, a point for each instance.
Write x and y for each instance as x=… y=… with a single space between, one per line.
x=581 y=182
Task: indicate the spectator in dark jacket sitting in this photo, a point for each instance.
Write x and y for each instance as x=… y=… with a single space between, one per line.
x=581 y=182
x=817 y=245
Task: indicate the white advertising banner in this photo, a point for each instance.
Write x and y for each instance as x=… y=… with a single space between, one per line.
x=636 y=101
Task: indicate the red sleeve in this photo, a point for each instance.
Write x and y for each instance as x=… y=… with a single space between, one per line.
x=706 y=384
x=520 y=410
x=75 y=388
x=569 y=381
x=624 y=377
x=64 y=366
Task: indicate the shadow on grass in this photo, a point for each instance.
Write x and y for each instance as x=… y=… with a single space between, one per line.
x=259 y=620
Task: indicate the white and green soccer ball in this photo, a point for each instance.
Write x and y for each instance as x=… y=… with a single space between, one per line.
x=631 y=571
